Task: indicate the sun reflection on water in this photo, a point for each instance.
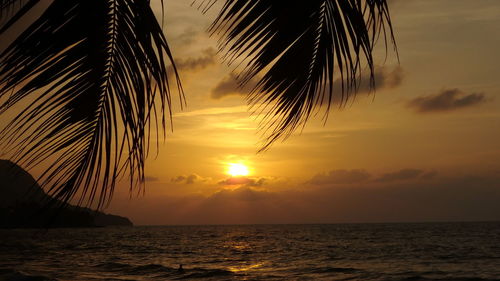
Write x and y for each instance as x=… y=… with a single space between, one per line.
x=243 y=268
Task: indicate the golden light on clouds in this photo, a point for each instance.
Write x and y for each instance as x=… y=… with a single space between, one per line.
x=237 y=169
x=363 y=151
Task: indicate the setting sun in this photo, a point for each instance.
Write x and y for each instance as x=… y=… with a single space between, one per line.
x=287 y=140
x=237 y=169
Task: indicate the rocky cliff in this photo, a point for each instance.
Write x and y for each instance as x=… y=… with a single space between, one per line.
x=23 y=203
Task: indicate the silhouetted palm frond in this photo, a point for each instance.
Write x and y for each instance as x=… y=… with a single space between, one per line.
x=92 y=77
x=300 y=47
x=12 y=10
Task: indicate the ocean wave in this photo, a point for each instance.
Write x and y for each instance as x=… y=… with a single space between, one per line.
x=13 y=275
x=135 y=269
x=329 y=269
x=198 y=273
x=150 y=254
x=162 y=271
x=150 y=269
x=422 y=278
x=113 y=266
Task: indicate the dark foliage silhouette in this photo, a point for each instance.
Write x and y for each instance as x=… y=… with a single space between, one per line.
x=92 y=76
x=301 y=46
x=97 y=71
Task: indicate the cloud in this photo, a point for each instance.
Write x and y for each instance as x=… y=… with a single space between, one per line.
x=446 y=100
x=429 y=175
x=385 y=78
x=472 y=197
x=229 y=87
x=341 y=177
x=187 y=36
x=404 y=174
x=357 y=176
x=189 y=179
x=244 y=181
x=244 y=193
x=207 y=58
x=214 y=111
x=150 y=179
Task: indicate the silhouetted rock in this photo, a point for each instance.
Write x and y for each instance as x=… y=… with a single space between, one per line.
x=17 y=186
x=23 y=203
x=101 y=219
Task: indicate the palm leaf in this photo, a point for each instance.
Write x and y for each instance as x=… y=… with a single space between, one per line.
x=298 y=48
x=12 y=10
x=92 y=77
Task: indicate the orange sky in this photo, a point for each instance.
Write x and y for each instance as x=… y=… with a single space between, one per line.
x=424 y=147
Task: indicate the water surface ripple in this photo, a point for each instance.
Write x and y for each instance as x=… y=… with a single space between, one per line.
x=382 y=252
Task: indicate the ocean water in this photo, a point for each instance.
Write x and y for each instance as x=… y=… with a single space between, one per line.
x=431 y=251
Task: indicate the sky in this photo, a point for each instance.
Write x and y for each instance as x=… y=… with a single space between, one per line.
x=422 y=147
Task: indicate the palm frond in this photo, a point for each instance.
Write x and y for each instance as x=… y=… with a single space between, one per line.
x=298 y=48
x=12 y=10
x=8 y=6
x=93 y=74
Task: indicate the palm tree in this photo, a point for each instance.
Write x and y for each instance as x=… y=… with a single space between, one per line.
x=91 y=77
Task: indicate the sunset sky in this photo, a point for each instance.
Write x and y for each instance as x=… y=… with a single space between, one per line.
x=423 y=147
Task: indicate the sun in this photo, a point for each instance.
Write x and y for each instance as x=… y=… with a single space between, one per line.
x=237 y=169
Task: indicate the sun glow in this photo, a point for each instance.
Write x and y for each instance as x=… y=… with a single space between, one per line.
x=237 y=169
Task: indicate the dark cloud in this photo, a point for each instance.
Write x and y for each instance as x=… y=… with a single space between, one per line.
x=208 y=57
x=341 y=177
x=429 y=175
x=187 y=36
x=258 y=182
x=404 y=174
x=446 y=100
x=150 y=179
x=229 y=86
x=447 y=198
x=244 y=193
x=190 y=179
x=385 y=78
x=244 y=181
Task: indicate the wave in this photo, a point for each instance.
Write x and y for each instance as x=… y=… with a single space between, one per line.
x=161 y=271
x=13 y=275
x=329 y=269
x=113 y=266
x=150 y=269
x=198 y=273
x=421 y=278
x=135 y=269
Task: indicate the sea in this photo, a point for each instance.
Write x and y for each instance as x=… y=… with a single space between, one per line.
x=399 y=251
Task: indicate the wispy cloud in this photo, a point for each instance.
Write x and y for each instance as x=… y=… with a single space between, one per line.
x=404 y=174
x=150 y=179
x=207 y=57
x=229 y=87
x=358 y=176
x=410 y=200
x=187 y=36
x=341 y=177
x=244 y=181
x=189 y=179
x=214 y=111
x=446 y=100
x=385 y=78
